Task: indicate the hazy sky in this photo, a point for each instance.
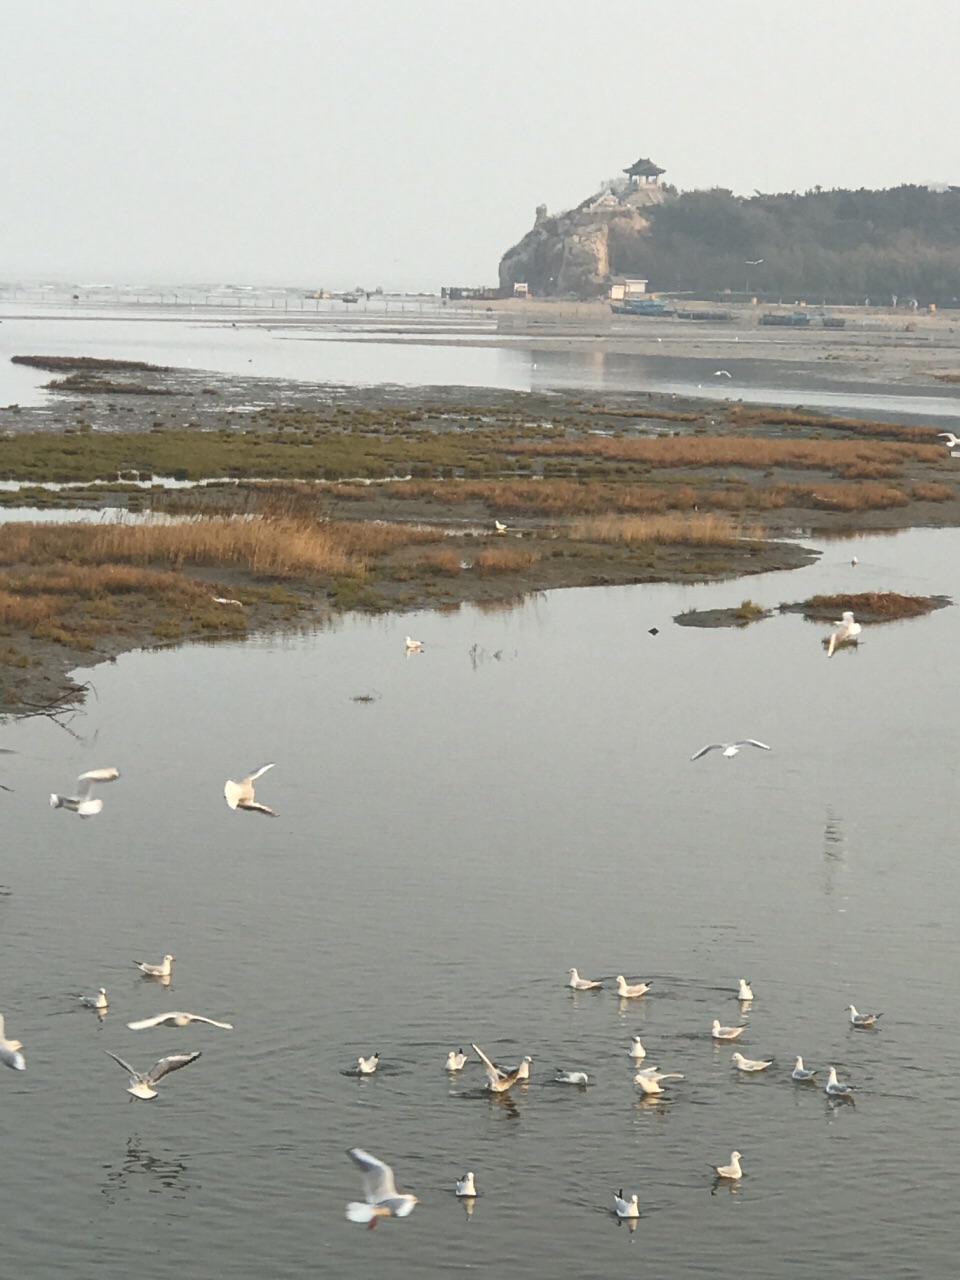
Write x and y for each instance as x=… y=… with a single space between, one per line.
x=407 y=142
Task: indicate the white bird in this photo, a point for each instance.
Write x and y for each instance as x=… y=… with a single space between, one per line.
x=847 y=630
x=379 y=1191
x=649 y=1080
x=571 y=1077
x=367 y=1066
x=951 y=439
x=239 y=795
x=636 y=1051
x=582 y=984
x=10 y=1054
x=722 y=373
x=99 y=1001
x=862 y=1019
x=522 y=1072
x=835 y=1088
x=499 y=527
x=142 y=1082
x=746 y=991
x=82 y=803
x=225 y=600
x=627 y=992
x=161 y=970
x=751 y=1064
x=854 y=562
x=729 y=749
x=466 y=1185
x=724 y=1033
x=456 y=1060
x=800 y=1072
x=753 y=262
x=414 y=646
x=626 y=1208
x=496 y=1082
x=176 y=1020
x=732 y=1171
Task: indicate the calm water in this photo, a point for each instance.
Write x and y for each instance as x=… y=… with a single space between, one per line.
x=444 y=854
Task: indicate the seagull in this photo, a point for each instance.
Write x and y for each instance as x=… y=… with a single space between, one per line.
x=847 y=630
x=225 y=600
x=81 y=803
x=636 y=1051
x=862 y=1019
x=571 y=1077
x=732 y=1171
x=649 y=1080
x=627 y=992
x=582 y=984
x=751 y=1064
x=835 y=1088
x=496 y=1082
x=626 y=1208
x=499 y=527
x=753 y=262
x=724 y=1033
x=746 y=991
x=414 y=646
x=722 y=373
x=239 y=795
x=161 y=970
x=854 y=562
x=951 y=439
x=456 y=1060
x=141 y=1083
x=175 y=1020
x=10 y=1054
x=379 y=1191
x=99 y=1001
x=800 y=1072
x=730 y=749
x=466 y=1186
x=520 y=1073
x=367 y=1066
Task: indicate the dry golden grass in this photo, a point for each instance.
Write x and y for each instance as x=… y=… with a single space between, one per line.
x=504 y=560
x=692 y=530
x=875 y=606
x=444 y=560
x=742 y=415
x=924 y=491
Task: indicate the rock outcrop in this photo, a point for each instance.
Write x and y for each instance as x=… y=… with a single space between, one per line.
x=571 y=253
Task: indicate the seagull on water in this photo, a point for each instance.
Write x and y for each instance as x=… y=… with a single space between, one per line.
x=722 y=373
x=835 y=1088
x=746 y=991
x=10 y=1054
x=847 y=630
x=724 y=1033
x=176 y=1020
x=82 y=803
x=239 y=795
x=466 y=1185
x=731 y=1171
x=520 y=1073
x=800 y=1072
x=456 y=1060
x=729 y=749
x=571 y=1077
x=499 y=526
x=862 y=1019
x=582 y=984
x=751 y=1064
x=496 y=1082
x=382 y=1200
x=626 y=1208
x=99 y=1001
x=951 y=439
x=649 y=1080
x=636 y=1051
x=367 y=1066
x=161 y=970
x=414 y=646
x=142 y=1082
x=627 y=992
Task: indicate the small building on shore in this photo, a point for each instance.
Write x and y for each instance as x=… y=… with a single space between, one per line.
x=622 y=289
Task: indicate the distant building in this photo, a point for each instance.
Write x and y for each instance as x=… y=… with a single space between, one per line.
x=621 y=290
x=644 y=173
x=521 y=289
x=458 y=293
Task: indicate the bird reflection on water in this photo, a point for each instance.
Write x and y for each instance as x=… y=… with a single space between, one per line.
x=163 y=1173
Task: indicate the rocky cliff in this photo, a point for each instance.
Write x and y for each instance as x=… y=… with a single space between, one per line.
x=571 y=252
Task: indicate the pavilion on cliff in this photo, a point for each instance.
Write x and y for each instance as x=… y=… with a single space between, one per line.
x=644 y=172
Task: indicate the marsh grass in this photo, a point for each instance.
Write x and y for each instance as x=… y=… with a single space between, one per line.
x=494 y=560
x=871 y=606
x=671 y=529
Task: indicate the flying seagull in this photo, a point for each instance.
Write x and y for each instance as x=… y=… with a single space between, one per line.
x=382 y=1200
x=951 y=439
x=10 y=1054
x=176 y=1020
x=862 y=1019
x=753 y=262
x=142 y=1082
x=847 y=630
x=627 y=992
x=729 y=749
x=496 y=1082
x=722 y=373
x=731 y=1171
x=161 y=970
x=582 y=984
x=239 y=795
x=82 y=803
